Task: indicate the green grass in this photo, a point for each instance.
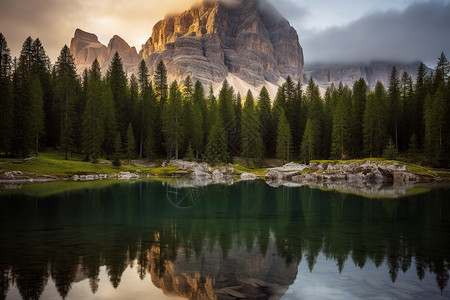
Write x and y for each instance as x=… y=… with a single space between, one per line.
x=238 y=170
x=53 y=164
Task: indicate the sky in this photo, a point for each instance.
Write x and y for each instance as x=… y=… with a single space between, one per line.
x=329 y=30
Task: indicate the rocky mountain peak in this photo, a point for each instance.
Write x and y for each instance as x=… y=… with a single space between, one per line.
x=86 y=36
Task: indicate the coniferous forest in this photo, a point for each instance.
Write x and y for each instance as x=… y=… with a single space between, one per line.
x=113 y=116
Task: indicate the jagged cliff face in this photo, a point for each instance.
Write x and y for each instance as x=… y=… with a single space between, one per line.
x=214 y=39
x=85 y=47
x=326 y=74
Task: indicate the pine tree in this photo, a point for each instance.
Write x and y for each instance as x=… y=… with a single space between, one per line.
x=420 y=93
x=200 y=102
x=161 y=93
x=309 y=142
x=130 y=145
x=359 y=98
x=341 y=128
x=293 y=111
x=251 y=132
x=216 y=148
x=374 y=121
x=390 y=152
x=266 y=122
x=142 y=116
x=28 y=111
x=6 y=97
x=172 y=121
x=118 y=83
x=227 y=113
x=284 y=139
x=117 y=150
x=93 y=123
x=66 y=92
x=197 y=132
x=395 y=106
x=109 y=120
x=406 y=98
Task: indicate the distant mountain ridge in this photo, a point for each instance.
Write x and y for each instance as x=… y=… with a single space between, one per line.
x=348 y=73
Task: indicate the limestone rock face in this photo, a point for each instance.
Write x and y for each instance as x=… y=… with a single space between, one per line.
x=85 y=47
x=248 y=39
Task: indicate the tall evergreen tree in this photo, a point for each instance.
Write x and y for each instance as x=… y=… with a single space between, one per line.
x=172 y=121
x=27 y=103
x=359 y=98
x=266 y=122
x=217 y=149
x=406 y=96
x=143 y=117
x=227 y=113
x=395 y=106
x=420 y=93
x=374 y=121
x=251 y=131
x=284 y=139
x=66 y=92
x=310 y=141
x=161 y=92
x=314 y=105
x=118 y=83
x=6 y=97
x=342 y=128
x=130 y=145
x=109 y=120
x=93 y=123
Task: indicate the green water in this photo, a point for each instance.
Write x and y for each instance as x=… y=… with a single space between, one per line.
x=134 y=240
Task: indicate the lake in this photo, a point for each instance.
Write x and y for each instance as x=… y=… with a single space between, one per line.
x=154 y=240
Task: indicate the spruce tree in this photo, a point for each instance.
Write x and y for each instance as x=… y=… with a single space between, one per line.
x=66 y=92
x=284 y=140
x=227 y=113
x=309 y=141
x=161 y=93
x=6 y=97
x=251 y=132
x=265 y=120
x=117 y=150
x=341 y=128
x=359 y=98
x=420 y=93
x=118 y=83
x=315 y=114
x=93 y=123
x=172 y=121
x=374 y=121
x=395 y=106
x=143 y=111
x=130 y=144
x=216 y=149
x=109 y=120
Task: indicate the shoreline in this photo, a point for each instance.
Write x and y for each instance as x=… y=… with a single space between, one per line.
x=370 y=178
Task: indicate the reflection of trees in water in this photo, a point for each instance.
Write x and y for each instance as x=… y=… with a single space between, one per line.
x=76 y=233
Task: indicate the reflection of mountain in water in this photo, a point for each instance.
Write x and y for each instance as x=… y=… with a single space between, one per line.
x=246 y=239
x=242 y=273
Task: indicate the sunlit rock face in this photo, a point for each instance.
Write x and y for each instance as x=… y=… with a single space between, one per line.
x=85 y=47
x=212 y=40
x=248 y=39
x=242 y=272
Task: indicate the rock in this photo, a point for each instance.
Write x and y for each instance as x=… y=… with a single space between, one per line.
x=199 y=171
x=85 y=48
x=274 y=175
x=209 y=42
x=13 y=174
x=291 y=167
x=248 y=176
x=404 y=178
x=217 y=175
x=127 y=175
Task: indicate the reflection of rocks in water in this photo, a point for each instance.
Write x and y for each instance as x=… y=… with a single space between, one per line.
x=242 y=273
x=367 y=189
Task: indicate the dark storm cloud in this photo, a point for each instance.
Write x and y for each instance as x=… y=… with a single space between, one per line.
x=420 y=32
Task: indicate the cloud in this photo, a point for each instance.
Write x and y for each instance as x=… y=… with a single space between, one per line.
x=420 y=32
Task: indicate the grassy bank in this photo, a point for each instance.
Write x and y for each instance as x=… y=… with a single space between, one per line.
x=53 y=164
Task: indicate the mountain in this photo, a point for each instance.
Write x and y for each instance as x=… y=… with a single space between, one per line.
x=326 y=74
x=85 y=47
x=246 y=41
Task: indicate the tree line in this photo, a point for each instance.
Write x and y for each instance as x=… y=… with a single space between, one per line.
x=117 y=117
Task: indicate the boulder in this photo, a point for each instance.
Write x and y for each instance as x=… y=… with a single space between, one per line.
x=248 y=176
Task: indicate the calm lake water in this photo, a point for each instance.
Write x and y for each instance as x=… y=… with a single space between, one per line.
x=136 y=240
